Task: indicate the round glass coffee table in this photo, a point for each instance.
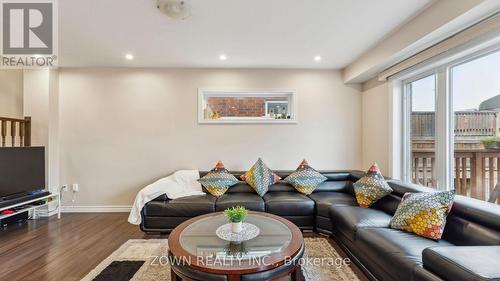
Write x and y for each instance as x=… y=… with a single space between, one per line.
x=195 y=245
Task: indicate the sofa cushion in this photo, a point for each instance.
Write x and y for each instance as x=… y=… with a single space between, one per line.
x=241 y=187
x=388 y=204
x=161 y=224
x=464 y=232
x=303 y=222
x=463 y=263
x=326 y=199
x=422 y=274
x=218 y=180
x=347 y=219
x=305 y=179
x=260 y=177
x=281 y=186
x=395 y=249
x=473 y=222
x=400 y=188
x=251 y=201
x=190 y=206
x=480 y=212
x=288 y=204
x=337 y=186
x=371 y=188
x=424 y=213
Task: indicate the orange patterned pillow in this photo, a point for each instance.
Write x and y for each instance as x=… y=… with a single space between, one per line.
x=424 y=213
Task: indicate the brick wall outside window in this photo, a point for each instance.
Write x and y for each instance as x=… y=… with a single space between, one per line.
x=238 y=107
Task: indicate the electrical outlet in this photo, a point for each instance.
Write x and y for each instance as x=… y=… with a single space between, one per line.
x=64 y=187
x=75 y=187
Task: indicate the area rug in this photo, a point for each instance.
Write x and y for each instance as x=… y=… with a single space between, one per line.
x=146 y=260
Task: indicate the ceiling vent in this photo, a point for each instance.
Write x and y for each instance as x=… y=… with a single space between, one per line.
x=175 y=9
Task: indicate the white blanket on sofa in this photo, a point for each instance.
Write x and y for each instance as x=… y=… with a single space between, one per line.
x=180 y=184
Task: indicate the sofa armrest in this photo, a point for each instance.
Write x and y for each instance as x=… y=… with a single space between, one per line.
x=463 y=262
x=161 y=198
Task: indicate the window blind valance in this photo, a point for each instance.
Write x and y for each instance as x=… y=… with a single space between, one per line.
x=481 y=34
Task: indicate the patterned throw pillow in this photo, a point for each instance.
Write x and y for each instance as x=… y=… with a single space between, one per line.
x=218 y=180
x=260 y=177
x=372 y=187
x=423 y=213
x=305 y=179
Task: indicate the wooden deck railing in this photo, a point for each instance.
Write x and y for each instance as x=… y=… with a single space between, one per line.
x=423 y=125
x=475 y=124
x=15 y=132
x=476 y=172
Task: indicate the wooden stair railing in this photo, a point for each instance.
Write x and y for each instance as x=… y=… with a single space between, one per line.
x=15 y=132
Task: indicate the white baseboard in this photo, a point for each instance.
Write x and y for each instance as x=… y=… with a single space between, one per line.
x=96 y=209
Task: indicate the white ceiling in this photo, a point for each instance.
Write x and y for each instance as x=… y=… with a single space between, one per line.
x=252 y=33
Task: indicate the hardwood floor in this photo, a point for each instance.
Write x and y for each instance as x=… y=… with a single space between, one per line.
x=67 y=249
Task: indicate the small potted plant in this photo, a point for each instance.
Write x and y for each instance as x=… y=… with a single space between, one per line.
x=491 y=142
x=236 y=215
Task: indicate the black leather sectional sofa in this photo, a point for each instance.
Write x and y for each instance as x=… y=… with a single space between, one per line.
x=469 y=250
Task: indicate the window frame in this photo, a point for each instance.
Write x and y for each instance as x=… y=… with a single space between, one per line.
x=400 y=119
x=266 y=105
x=406 y=119
x=204 y=93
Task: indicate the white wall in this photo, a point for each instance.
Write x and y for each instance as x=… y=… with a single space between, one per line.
x=375 y=129
x=41 y=103
x=121 y=129
x=11 y=93
x=53 y=156
x=36 y=104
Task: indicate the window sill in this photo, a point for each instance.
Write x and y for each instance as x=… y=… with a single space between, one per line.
x=248 y=121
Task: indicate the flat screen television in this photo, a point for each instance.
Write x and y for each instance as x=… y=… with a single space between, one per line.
x=22 y=170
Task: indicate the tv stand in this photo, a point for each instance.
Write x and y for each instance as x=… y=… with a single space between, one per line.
x=11 y=200
x=30 y=204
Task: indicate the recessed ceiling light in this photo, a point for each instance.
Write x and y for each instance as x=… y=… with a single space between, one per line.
x=223 y=57
x=317 y=58
x=129 y=56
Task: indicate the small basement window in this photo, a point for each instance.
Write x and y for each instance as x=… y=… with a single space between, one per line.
x=246 y=106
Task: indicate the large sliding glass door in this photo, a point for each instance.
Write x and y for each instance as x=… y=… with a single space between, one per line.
x=452 y=127
x=475 y=88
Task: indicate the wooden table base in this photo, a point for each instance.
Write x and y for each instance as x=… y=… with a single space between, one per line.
x=295 y=274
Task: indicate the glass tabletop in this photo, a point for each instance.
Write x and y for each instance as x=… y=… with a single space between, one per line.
x=199 y=239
